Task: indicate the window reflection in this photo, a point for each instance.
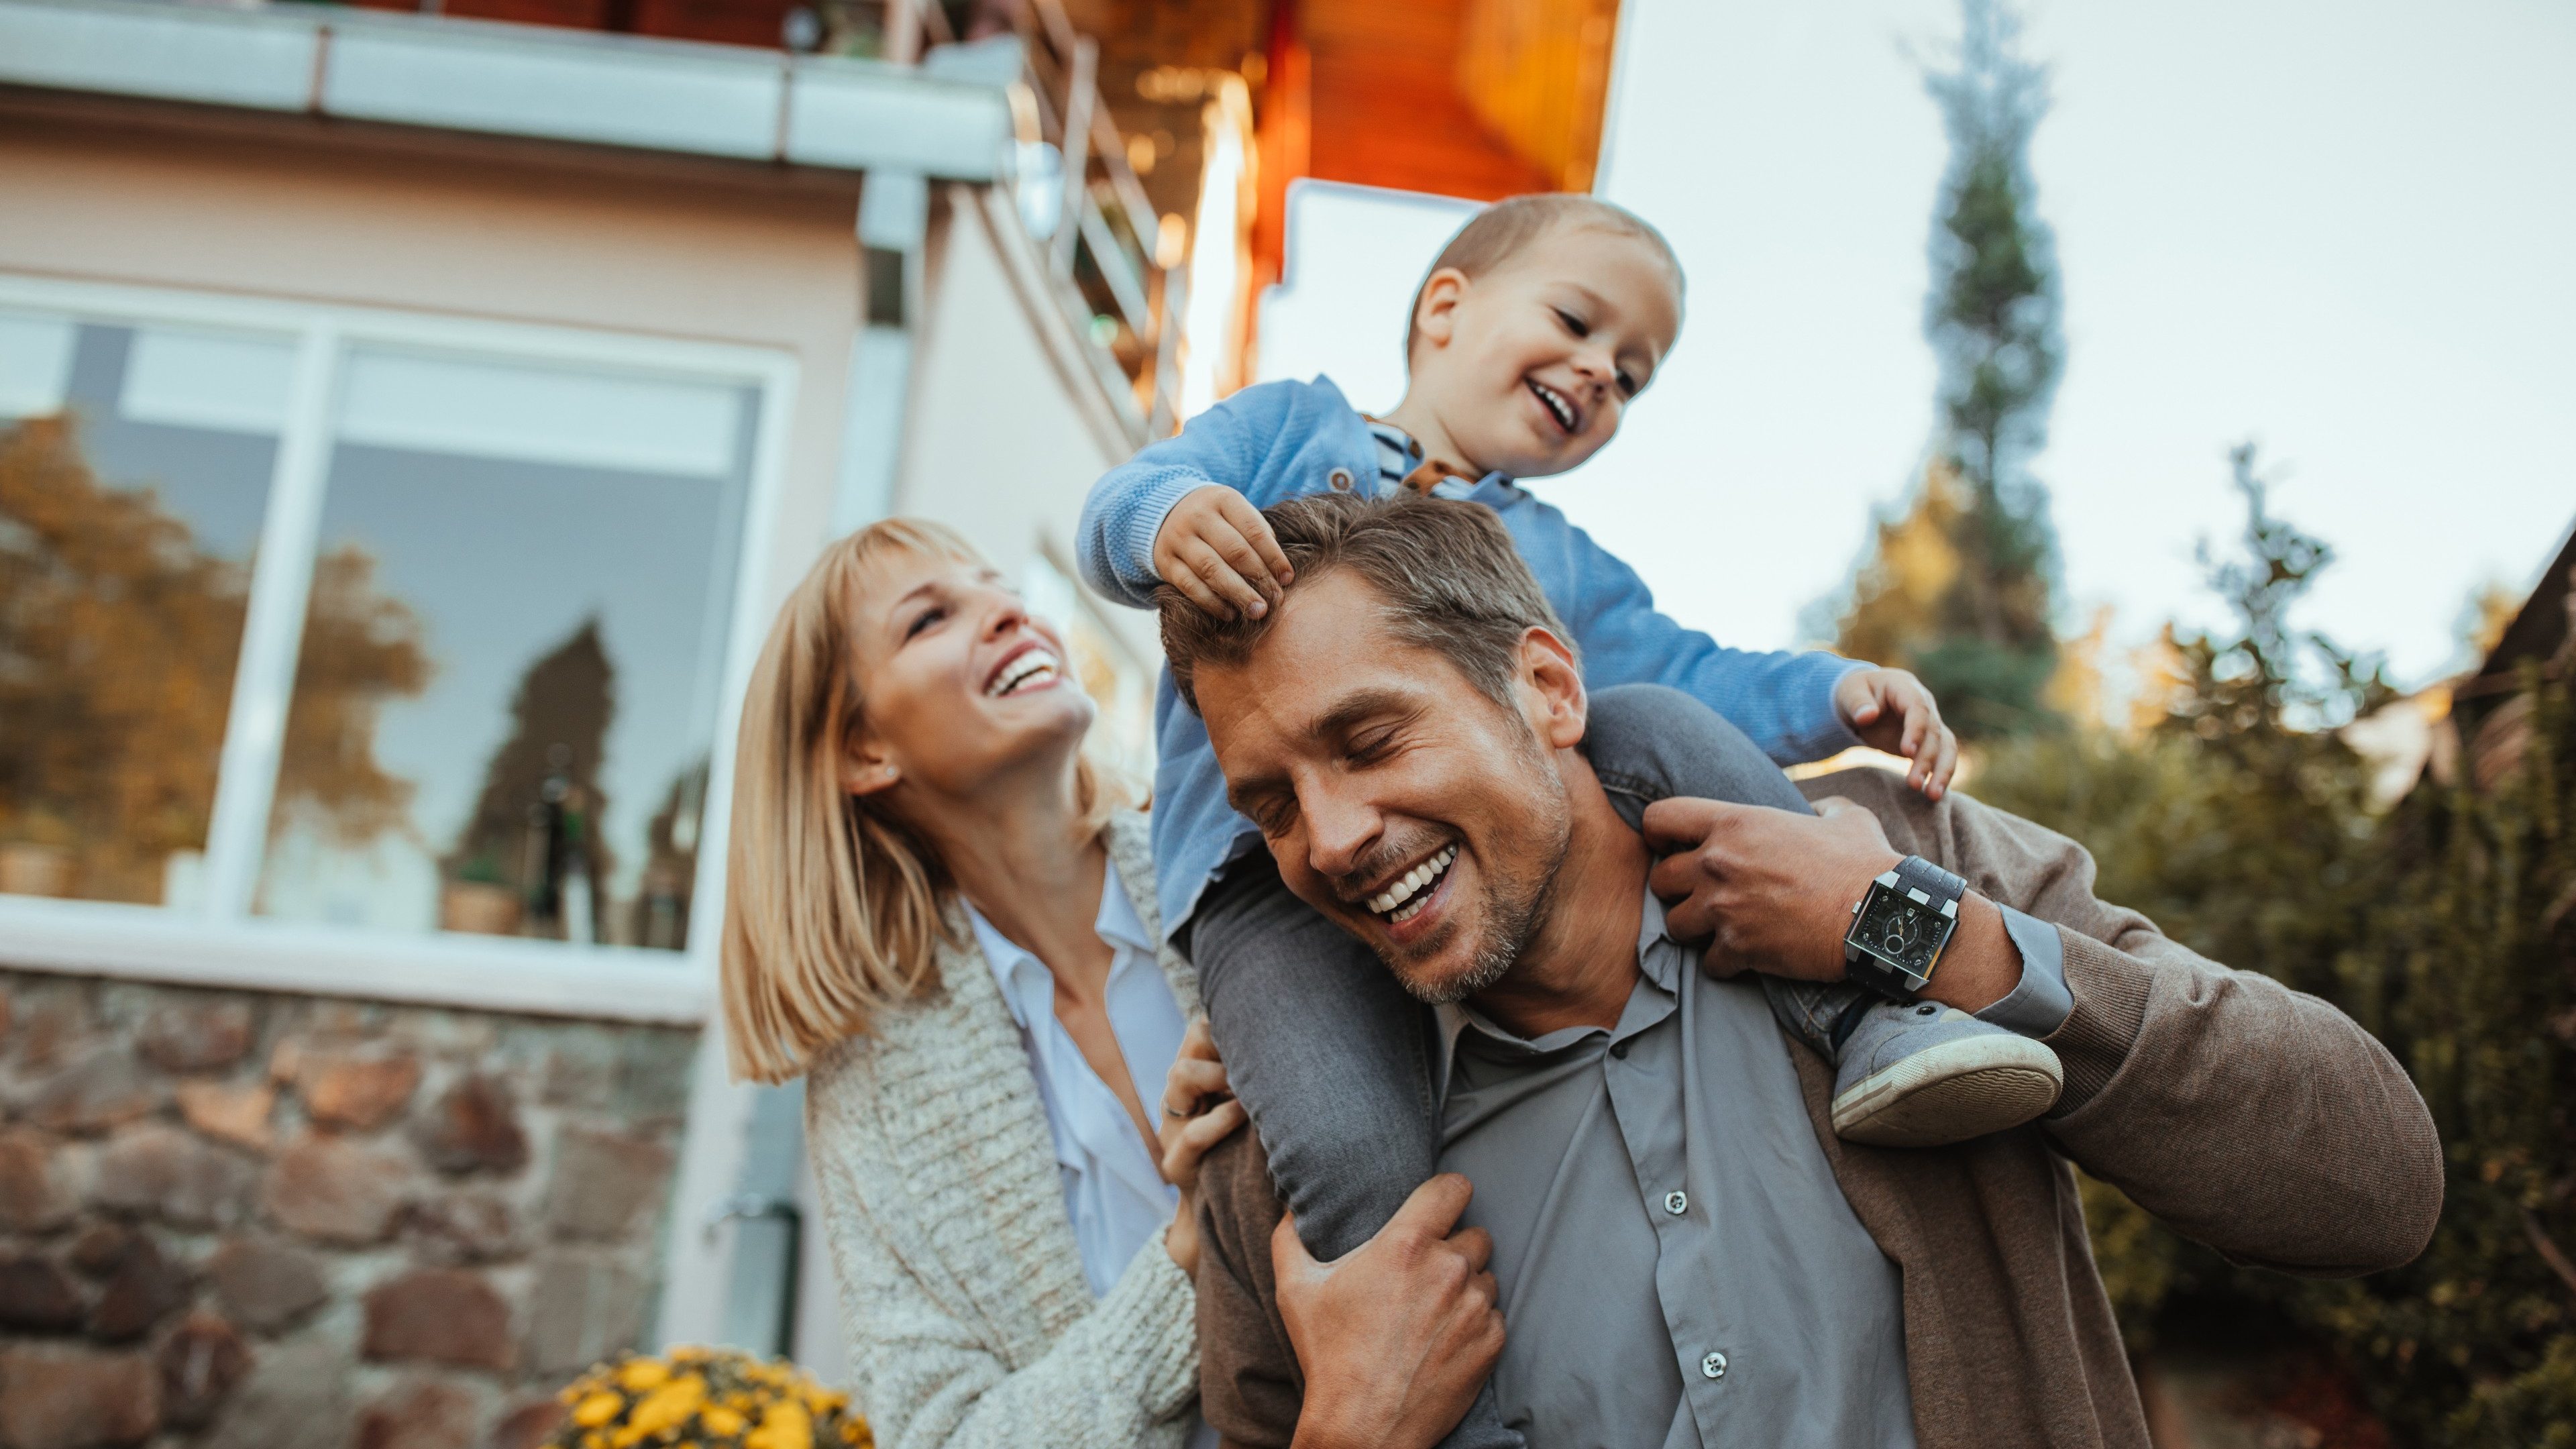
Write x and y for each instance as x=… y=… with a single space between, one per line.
x=134 y=474
x=554 y=547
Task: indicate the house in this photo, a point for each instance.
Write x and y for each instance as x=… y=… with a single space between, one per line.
x=408 y=426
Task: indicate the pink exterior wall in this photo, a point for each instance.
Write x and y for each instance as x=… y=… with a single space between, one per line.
x=311 y=211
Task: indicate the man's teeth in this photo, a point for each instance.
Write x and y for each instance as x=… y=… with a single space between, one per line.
x=1413 y=883
x=1036 y=664
x=1556 y=403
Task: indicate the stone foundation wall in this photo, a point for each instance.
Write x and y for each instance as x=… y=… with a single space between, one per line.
x=253 y=1221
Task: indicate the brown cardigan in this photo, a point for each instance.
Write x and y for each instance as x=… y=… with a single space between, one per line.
x=2258 y=1120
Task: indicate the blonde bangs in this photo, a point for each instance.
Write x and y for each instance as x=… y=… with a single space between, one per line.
x=834 y=909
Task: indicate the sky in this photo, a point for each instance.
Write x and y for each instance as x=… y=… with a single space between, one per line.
x=2342 y=231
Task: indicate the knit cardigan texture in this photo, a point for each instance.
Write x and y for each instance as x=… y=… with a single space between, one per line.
x=968 y=1317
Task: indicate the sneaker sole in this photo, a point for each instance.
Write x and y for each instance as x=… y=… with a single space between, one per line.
x=1951 y=1093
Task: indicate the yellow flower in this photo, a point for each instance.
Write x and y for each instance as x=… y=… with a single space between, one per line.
x=720 y=1420
x=597 y=1409
x=643 y=1373
x=785 y=1426
x=669 y=1407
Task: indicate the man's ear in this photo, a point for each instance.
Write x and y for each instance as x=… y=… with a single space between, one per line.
x=1553 y=683
x=1435 y=317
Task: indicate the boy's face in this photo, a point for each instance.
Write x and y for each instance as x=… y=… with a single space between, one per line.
x=1529 y=366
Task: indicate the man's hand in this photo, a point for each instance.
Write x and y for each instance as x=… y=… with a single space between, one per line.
x=1773 y=892
x=1891 y=710
x=1396 y=1336
x=1217 y=549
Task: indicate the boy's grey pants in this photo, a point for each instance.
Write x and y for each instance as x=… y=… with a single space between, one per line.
x=1332 y=1059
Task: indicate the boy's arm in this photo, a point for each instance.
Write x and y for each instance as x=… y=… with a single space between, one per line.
x=1228 y=444
x=1783 y=700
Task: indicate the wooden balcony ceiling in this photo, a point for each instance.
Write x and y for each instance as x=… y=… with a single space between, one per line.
x=1387 y=109
x=731 y=22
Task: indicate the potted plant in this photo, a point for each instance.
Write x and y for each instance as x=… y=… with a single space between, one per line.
x=479 y=899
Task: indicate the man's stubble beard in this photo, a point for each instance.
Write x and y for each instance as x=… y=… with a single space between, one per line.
x=1512 y=922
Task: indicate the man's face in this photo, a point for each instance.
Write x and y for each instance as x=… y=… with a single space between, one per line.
x=1399 y=800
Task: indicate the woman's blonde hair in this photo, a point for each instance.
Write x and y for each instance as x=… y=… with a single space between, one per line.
x=834 y=908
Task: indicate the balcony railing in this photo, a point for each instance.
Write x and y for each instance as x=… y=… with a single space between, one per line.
x=1115 y=263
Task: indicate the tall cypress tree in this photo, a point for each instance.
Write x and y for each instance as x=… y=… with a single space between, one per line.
x=1960 y=585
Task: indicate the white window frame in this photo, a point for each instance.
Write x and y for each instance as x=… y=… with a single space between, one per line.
x=225 y=944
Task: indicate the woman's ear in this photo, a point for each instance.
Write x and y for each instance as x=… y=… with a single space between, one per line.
x=865 y=769
x=1435 y=319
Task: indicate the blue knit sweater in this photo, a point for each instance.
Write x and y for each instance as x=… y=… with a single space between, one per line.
x=1283 y=439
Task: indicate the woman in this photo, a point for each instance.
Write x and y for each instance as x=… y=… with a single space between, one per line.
x=935 y=910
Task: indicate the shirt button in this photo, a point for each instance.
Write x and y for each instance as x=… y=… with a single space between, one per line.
x=1677 y=1202
x=1713 y=1366
x=1340 y=478
x=1619 y=1049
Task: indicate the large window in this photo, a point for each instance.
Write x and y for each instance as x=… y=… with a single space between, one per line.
x=351 y=628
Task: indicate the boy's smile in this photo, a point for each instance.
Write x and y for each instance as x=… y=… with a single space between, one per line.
x=1527 y=369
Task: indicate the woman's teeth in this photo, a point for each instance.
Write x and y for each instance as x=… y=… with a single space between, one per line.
x=1035 y=666
x=1406 y=898
x=1557 y=403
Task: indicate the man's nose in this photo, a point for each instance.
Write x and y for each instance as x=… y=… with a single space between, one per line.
x=1338 y=831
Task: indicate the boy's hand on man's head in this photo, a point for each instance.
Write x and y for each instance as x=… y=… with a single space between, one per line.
x=1891 y=710
x=1218 y=550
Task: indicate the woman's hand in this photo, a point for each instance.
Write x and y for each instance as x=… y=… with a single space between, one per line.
x=1199 y=1109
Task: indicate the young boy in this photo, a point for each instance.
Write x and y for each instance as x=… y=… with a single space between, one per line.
x=1542 y=320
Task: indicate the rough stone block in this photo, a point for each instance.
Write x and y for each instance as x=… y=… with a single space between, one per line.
x=38 y=1187
x=605 y=1185
x=297 y=1397
x=265 y=1283
x=339 y=1191
x=103 y=1087
x=584 y=1309
x=421 y=1414
x=156 y=1168
x=527 y=1426
x=362 y=1088
x=37 y=1296
x=203 y=1034
x=143 y=1287
x=439 y=1315
x=200 y=1363
x=465 y=1227
x=68 y=1398
x=235 y=1112
x=473 y=1125
x=653 y=1074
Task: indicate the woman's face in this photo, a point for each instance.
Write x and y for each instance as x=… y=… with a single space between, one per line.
x=959 y=688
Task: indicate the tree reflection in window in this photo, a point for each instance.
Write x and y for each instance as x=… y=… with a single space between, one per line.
x=118 y=635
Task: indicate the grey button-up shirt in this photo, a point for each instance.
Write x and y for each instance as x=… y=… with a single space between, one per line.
x=1677 y=1265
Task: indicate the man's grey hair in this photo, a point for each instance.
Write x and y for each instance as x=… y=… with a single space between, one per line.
x=1446 y=569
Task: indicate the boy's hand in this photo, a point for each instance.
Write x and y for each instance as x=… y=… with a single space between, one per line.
x=1891 y=710
x=1216 y=548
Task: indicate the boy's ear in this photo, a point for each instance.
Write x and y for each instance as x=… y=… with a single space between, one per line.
x=1436 y=319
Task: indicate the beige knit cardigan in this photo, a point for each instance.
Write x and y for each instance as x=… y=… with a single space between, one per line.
x=969 y=1320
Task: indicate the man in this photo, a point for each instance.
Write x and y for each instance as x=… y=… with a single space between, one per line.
x=1683 y=1250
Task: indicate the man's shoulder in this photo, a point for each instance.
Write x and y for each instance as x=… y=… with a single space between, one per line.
x=2016 y=861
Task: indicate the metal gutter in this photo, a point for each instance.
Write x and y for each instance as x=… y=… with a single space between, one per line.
x=514 y=80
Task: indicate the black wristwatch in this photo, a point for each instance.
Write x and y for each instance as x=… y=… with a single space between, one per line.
x=1899 y=927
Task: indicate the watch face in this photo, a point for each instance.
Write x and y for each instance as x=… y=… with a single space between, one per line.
x=1897 y=930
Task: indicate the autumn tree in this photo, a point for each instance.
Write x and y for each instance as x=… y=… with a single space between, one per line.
x=1959 y=584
